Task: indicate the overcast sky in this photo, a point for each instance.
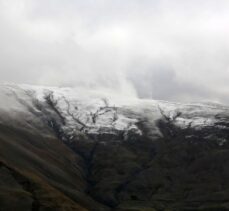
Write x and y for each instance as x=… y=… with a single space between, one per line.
x=175 y=50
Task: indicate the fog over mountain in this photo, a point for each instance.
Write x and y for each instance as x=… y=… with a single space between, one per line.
x=110 y=105
x=162 y=49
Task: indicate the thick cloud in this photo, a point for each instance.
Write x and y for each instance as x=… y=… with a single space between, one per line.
x=163 y=49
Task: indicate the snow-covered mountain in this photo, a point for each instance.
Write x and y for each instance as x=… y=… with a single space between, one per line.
x=74 y=111
x=123 y=153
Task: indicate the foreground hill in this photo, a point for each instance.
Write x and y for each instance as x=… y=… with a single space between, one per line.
x=71 y=149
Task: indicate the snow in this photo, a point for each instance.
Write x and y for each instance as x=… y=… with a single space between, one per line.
x=95 y=112
x=78 y=107
x=197 y=122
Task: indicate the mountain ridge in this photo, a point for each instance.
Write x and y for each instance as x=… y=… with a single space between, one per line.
x=76 y=150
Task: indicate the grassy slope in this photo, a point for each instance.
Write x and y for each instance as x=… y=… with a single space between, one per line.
x=40 y=173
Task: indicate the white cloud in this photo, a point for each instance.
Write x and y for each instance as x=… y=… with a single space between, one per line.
x=165 y=49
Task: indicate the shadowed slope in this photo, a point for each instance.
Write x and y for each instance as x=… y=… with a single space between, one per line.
x=42 y=171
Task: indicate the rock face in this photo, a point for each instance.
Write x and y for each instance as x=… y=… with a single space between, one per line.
x=68 y=149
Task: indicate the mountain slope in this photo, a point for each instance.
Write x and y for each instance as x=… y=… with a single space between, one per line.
x=71 y=149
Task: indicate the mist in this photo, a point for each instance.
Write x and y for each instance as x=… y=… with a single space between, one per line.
x=169 y=50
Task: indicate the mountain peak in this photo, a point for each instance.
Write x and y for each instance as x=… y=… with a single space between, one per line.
x=97 y=151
